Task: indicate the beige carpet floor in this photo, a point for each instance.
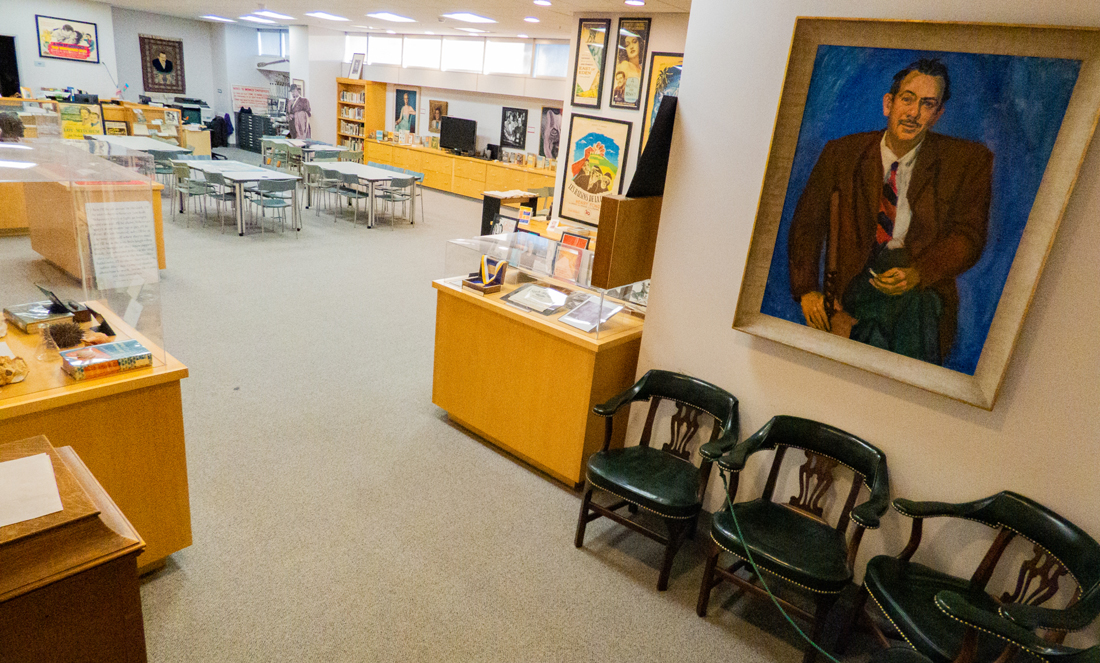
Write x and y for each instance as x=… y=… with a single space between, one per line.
x=339 y=516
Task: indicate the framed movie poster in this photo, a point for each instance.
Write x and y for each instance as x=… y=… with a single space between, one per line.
x=66 y=39
x=550 y=132
x=917 y=176
x=78 y=120
x=405 y=109
x=162 y=64
x=591 y=54
x=436 y=111
x=664 y=81
x=513 y=128
x=597 y=156
x=626 y=85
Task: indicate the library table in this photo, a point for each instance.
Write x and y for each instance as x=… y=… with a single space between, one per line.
x=242 y=173
x=372 y=175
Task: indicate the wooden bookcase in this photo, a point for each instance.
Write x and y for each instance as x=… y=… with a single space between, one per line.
x=360 y=111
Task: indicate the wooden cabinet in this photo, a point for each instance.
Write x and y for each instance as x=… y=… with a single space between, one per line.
x=379 y=153
x=467 y=187
x=470 y=170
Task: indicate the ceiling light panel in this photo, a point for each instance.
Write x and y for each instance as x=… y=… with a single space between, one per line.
x=257 y=19
x=326 y=16
x=270 y=14
x=387 y=16
x=212 y=17
x=467 y=17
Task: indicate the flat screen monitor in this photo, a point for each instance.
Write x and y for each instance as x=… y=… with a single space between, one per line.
x=458 y=134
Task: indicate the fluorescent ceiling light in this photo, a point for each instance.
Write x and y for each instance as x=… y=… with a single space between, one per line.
x=531 y=19
x=326 y=16
x=636 y=3
x=523 y=36
x=387 y=16
x=17 y=164
x=256 y=19
x=469 y=29
x=391 y=32
x=469 y=18
x=542 y=3
x=211 y=17
x=270 y=14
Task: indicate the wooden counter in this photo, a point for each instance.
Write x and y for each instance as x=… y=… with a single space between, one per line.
x=527 y=383
x=128 y=429
x=465 y=176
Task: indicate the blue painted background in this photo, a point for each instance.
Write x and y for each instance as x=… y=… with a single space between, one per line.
x=1013 y=105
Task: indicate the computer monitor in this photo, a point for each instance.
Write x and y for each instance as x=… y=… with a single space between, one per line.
x=458 y=134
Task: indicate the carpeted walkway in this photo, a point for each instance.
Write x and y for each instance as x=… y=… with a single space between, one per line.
x=339 y=516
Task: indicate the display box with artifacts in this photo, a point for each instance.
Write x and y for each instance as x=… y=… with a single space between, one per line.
x=547 y=279
x=40 y=117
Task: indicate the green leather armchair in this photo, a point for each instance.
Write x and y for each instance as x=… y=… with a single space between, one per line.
x=664 y=481
x=947 y=618
x=793 y=540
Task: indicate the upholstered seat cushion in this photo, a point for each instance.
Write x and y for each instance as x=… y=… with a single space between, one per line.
x=650 y=478
x=906 y=592
x=786 y=543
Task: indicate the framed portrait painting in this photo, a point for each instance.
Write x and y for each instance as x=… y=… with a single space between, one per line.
x=597 y=156
x=592 y=35
x=550 y=132
x=912 y=193
x=162 y=64
x=436 y=111
x=513 y=128
x=664 y=81
x=66 y=39
x=405 y=109
x=630 y=52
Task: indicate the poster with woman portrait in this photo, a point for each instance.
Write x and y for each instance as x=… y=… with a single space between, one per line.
x=79 y=120
x=405 y=109
x=550 y=132
x=66 y=39
x=664 y=81
x=591 y=55
x=513 y=128
x=162 y=64
x=597 y=156
x=436 y=111
x=626 y=88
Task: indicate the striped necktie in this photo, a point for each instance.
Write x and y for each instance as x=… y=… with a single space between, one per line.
x=888 y=208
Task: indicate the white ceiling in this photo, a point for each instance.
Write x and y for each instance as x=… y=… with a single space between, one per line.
x=555 y=21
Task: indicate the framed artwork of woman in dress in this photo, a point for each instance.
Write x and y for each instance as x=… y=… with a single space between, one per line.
x=591 y=55
x=404 y=110
x=626 y=90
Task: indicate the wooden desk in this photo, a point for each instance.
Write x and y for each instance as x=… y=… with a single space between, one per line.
x=525 y=383
x=68 y=580
x=127 y=427
x=197 y=139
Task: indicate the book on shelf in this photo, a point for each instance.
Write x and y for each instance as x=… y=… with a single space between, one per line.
x=105 y=359
x=29 y=318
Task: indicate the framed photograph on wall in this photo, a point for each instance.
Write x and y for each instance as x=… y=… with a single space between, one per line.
x=630 y=52
x=513 y=128
x=436 y=111
x=917 y=176
x=405 y=109
x=356 y=65
x=664 y=81
x=592 y=34
x=66 y=39
x=597 y=156
x=550 y=132
x=162 y=64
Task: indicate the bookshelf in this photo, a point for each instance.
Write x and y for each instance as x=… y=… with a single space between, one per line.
x=360 y=111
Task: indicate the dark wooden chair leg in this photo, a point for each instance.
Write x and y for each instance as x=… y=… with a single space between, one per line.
x=582 y=522
x=676 y=530
x=845 y=637
x=825 y=603
x=708 y=580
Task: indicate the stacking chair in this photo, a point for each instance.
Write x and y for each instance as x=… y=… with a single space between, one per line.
x=279 y=156
x=351 y=155
x=793 y=540
x=948 y=618
x=316 y=182
x=222 y=192
x=275 y=195
x=348 y=189
x=293 y=159
x=663 y=481
x=399 y=191
x=184 y=185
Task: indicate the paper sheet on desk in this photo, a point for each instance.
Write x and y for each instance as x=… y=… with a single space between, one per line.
x=28 y=489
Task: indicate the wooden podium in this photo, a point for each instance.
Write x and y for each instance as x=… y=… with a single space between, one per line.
x=68 y=580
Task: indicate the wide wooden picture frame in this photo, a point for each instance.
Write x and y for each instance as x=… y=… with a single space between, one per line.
x=589 y=66
x=598 y=150
x=824 y=185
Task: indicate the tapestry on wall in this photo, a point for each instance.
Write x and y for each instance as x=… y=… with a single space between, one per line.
x=912 y=194
x=162 y=64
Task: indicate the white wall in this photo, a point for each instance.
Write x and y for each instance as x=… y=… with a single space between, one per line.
x=667 y=35
x=326 y=55
x=1041 y=438
x=485 y=109
x=36 y=72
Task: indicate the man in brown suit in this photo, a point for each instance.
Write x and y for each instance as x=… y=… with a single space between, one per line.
x=908 y=209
